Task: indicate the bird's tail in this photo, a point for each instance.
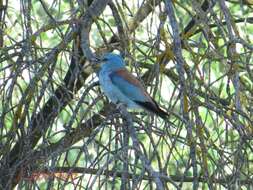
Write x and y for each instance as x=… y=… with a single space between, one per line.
x=154 y=108
x=162 y=113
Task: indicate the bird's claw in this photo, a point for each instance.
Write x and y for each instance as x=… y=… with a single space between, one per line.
x=120 y=105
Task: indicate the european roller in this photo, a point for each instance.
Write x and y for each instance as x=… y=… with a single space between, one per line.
x=120 y=86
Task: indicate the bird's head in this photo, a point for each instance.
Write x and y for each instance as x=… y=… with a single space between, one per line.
x=111 y=62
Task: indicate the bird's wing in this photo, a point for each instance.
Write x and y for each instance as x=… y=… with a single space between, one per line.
x=129 y=85
x=133 y=89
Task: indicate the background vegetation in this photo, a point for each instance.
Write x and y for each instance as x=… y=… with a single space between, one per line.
x=58 y=131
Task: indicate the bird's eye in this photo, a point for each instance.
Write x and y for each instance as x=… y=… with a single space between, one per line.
x=105 y=59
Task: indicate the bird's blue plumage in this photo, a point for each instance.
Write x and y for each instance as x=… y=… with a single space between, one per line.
x=120 y=86
x=112 y=62
x=131 y=91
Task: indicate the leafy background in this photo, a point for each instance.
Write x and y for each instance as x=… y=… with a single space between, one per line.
x=58 y=131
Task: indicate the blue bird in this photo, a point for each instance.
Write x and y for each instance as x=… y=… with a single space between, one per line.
x=120 y=86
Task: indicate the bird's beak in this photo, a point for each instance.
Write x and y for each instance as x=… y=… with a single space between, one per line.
x=97 y=63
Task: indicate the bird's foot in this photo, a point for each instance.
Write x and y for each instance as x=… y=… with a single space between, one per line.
x=120 y=105
x=126 y=116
